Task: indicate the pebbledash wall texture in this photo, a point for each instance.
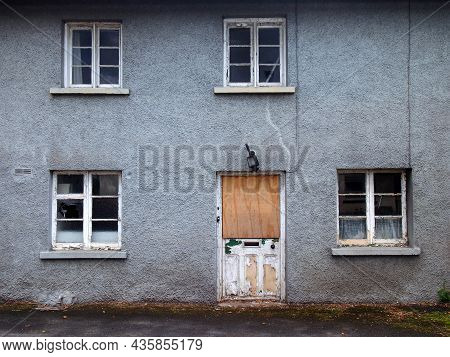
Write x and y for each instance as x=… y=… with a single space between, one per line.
x=371 y=91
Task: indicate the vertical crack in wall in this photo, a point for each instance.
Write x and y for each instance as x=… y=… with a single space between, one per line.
x=278 y=131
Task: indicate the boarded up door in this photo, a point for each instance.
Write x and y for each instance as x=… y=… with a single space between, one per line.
x=251 y=236
x=251 y=207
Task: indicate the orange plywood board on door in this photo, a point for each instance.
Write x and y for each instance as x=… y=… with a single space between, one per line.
x=251 y=206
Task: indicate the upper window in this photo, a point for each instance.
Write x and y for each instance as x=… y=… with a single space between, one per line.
x=86 y=210
x=372 y=207
x=255 y=52
x=93 y=55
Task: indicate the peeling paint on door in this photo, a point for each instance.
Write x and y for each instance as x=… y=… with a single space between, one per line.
x=252 y=270
x=251 y=274
x=231 y=275
x=270 y=282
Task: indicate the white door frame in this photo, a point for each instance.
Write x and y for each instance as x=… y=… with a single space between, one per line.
x=220 y=241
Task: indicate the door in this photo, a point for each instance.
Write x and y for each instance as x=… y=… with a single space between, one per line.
x=251 y=226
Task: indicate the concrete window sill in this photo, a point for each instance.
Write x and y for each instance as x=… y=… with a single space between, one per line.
x=83 y=254
x=90 y=91
x=372 y=251
x=254 y=90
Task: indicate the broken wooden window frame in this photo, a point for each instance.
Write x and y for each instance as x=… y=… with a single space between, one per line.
x=95 y=28
x=370 y=216
x=87 y=219
x=255 y=24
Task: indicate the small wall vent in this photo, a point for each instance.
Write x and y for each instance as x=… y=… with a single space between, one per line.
x=22 y=171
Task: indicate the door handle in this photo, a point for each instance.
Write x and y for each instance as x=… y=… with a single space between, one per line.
x=218 y=219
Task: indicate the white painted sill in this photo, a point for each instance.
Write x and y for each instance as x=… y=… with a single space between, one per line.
x=83 y=254
x=375 y=251
x=254 y=90
x=90 y=91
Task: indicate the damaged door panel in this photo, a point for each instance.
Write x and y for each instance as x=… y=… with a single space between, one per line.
x=252 y=271
x=251 y=235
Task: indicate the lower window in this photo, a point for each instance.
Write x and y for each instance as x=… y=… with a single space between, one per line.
x=86 y=209
x=372 y=207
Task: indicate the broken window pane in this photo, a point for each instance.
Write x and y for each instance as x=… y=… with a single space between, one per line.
x=387 y=182
x=240 y=74
x=109 y=75
x=69 y=184
x=269 y=74
x=105 y=185
x=352 y=228
x=104 y=232
x=81 y=38
x=109 y=38
x=69 y=209
x=352 y=205
x=240 y=55
x=388 y=228
x=69 y=232
x=105 y=208
x=269 y=36
x=269 y=55
x=239 y=36
x=352 y=183
x=388 y=205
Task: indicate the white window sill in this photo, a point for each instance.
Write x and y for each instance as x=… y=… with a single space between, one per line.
x=346 y=251
x=92 y=91
x=83 y=254
x=254 y=90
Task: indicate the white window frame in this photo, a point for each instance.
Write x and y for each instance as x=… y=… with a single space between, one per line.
x=254 y=24
x=86 y=196
x=370 y=211
x=95 y=27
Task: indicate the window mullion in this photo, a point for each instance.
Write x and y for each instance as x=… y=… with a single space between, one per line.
x=95 y=67
x=120 y=56
x=283 y=55
x=371 y=207
x=68 y=54
x=403 y=200
x=54 y=224
x=87 y=210
x=119 y=213
x=255 y=54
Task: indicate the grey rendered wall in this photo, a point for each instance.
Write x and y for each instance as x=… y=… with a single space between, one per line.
x=349 y=61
